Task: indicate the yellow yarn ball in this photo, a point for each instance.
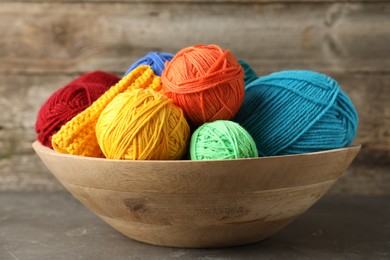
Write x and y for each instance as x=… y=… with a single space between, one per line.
x=142 y=125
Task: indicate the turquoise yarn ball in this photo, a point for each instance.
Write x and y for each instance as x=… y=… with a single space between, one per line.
x=250 y=74
x=293 y=112
x=221 y=139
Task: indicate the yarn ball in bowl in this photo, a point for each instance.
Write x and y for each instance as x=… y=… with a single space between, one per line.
x=78 y=136
x=206 y=82
x=250 y=74
x=221 y=139
x=142 y=125
x=156 y=60
x=293 y=112
x=70 y=100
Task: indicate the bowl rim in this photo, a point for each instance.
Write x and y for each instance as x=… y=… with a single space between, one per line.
x=38 y=147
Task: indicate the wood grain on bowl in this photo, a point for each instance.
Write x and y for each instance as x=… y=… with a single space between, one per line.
x=199 y=203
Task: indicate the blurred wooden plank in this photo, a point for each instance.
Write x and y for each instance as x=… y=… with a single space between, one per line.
x=64 y=38
x=45 y=44
x=370 y=94
x=20 y=168
x=21 y=97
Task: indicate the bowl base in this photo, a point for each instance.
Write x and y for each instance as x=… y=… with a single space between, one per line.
x=228 y=235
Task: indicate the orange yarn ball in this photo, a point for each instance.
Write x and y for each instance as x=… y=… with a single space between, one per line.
x=206 y=82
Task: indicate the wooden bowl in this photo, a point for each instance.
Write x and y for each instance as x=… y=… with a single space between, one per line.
x=199 y=203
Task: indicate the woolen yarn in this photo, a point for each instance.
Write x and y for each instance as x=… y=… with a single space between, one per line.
x=292 y=112
x=78 y=136
x=156 y=60
x=206 y=82
x=70 y=100
x=142 y=125
x=221 y=139
x=250 y=74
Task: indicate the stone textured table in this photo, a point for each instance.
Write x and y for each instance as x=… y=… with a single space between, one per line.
x=41 y=225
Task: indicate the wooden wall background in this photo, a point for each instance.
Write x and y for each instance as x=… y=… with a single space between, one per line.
x=45 y=44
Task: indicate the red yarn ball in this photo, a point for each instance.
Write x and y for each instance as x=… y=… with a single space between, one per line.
x=69 y=101
x=206 y=82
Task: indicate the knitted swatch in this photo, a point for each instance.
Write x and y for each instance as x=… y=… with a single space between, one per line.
x=67 y=102
x=78 y=136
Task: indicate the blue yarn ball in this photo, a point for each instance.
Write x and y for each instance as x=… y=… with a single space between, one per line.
x=293 y=112
x=156 y=60
x=250 y=74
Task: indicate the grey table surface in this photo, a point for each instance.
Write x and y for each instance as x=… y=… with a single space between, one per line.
x=39 y=225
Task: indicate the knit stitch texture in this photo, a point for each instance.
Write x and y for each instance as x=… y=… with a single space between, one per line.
x=78 y=136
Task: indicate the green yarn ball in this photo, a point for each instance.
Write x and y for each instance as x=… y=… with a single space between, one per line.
x=221 y=139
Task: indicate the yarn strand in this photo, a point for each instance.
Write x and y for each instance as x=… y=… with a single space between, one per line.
x=206 y=82
x=78 y=135
x=142 y=125
x=297 y=112
x=222 y=139
x=67 y=102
